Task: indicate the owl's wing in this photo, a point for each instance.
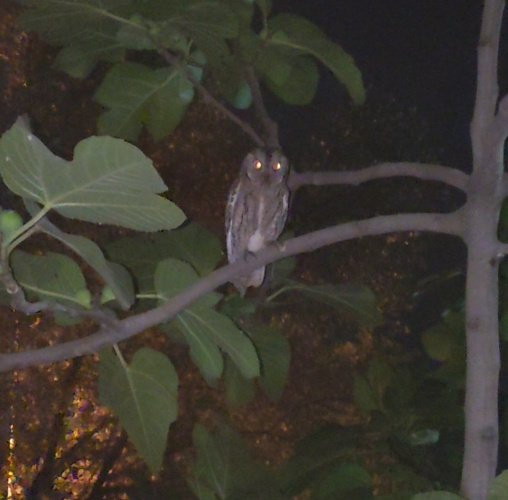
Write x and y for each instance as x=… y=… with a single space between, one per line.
x=276 y=214
x=284 y=211
x=238 y=214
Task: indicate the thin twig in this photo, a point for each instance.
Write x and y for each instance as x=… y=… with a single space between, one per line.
x=271 y=128
x=208 y=97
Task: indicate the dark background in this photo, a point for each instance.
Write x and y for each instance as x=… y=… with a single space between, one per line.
x=421 y=53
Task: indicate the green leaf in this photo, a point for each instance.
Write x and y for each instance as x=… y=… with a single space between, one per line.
x=86 y=28
x=237 y=307
x=173 y=276
x=499 y=487
x=239 y=390
x=141 y=254
x=52 y=277
x=135 y=36
x=438 y=495
x=203 y=348
x=300 y=84
x=214 y=466
x=276 y=65
x=202 y=491
x=446 y=340
x=379 y=376
x=224 y=465
x=78 y=60
x=204 y=328
x=63 y=22
x=143 y=395
x=438 y=342
x=207 y=327
x=341 y=479
x=191 y=243
x=114 y=275
x=243 y=98
x=229 y=77
x=207 y=23
x=138 y=95
x=281 y=270
x=109 y=181
x=306 y=37
x=364 y=396
x=265 y=6
x=243 y=11
x=274 y=353
x=316 y=454
x=424 y=437
x=358 y=301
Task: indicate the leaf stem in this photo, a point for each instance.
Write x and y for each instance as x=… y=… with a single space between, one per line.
x=120 y=356
x=24 y=232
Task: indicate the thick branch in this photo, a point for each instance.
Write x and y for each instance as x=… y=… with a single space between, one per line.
x=482 y=213
x=450 y=176
x=487 y=89
x=122 y=330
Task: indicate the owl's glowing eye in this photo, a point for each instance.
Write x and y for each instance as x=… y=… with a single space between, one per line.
x=277 y=166
x=258 y=165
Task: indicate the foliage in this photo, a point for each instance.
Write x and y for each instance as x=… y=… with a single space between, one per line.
x=82 y=189
x=111 y=181
x=225 y=469
x=215 y=37
x=149 y=381
x=159 y=53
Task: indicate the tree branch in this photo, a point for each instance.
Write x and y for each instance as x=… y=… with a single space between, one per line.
x=121 y=330
x=482 y=294
x=209 y=98
x=271 y=128
x=424 y=171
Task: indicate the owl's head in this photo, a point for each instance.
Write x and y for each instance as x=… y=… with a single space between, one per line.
x=266 y=167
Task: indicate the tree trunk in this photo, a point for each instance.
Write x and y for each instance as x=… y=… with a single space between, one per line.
x=485 y=195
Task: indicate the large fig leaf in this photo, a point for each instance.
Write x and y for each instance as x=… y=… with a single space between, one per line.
x=224 y=468
x=295 y=32
x=299 y=86
x=109 y=181
x=114 y=275
x=207 y=23
x=191 y=243
x=143 y=395
x=79 y=59
x=87 y=29
x=53 y=277
x=136 y=95
x=274 y=354
x=204 y=328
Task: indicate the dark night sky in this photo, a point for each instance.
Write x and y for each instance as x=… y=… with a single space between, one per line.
x=423 y=53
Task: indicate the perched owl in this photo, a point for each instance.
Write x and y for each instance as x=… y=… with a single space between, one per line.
x=256 y=210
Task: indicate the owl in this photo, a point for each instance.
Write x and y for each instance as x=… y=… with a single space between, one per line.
x=256 y=210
